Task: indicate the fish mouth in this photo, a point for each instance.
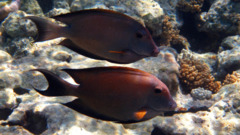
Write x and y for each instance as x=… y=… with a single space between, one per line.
x=154 y=53
x=171 y=107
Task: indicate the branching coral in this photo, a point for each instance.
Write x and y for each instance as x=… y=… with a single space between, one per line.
x=193 y=6
x=170 y=34
x=195 y=73
x=231 y=78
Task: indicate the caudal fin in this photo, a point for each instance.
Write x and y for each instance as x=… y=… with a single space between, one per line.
x=46 y=29
x=56 y=85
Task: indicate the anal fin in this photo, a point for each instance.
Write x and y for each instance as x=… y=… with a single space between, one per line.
x=140 y=114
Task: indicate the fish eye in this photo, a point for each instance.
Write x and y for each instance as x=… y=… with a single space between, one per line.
x=158 y=91
x=140 y=34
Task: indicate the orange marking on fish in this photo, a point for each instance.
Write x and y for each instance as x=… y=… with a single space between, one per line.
x=116 y=51
x=140 y=114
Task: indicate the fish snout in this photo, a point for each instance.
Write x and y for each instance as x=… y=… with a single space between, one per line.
x=172 y=105
x=155 y=52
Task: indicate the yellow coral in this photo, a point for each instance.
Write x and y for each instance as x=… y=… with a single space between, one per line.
x=195 y=73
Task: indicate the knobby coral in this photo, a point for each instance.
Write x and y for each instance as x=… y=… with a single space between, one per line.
x=193 y=6
x=170 y=34
x=195 y=73
x=231 y=78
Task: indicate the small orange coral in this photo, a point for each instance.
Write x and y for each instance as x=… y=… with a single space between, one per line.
x=194 y=6
x=195 y=73
x=231 y=78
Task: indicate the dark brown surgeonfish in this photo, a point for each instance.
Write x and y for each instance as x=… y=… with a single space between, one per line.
x=118 y=94
x=100 y=34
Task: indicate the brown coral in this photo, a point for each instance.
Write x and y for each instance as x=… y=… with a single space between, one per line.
x=231 y=78
x=193 y=6
x=170 y=34
x=195 y=73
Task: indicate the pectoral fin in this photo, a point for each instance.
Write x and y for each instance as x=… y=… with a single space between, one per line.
x=140 y=114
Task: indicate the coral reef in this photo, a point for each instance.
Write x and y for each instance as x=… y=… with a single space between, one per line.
x=10 y=79
x=189 y=13
x=228 y=57
x=169 y=6
x=57 y=11
x=31 y=7
x=172 y=23
x=7 y=99
x=17 y=34
x=230 y=42
x=4 y=56
x=231 y=78
x=61 y=4
x=44 y=118
x=201 y=94
x=170 y=34
x=221 y=119
x=228 y=61
x=14 y=26
x=223 y=18
x=193 y=6
x=195 y=73
x=147 y=10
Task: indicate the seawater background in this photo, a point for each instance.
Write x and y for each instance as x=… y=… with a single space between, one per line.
x=215 y=41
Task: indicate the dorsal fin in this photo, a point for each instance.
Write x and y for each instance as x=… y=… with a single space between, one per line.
x=80 y=74
x=69 y=17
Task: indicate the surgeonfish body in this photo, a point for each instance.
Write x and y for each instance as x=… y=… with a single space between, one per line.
x=118 y=94
x=100 y=34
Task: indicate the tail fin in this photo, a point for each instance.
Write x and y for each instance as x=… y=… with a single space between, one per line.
x=56 y=85
x=46 y=29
